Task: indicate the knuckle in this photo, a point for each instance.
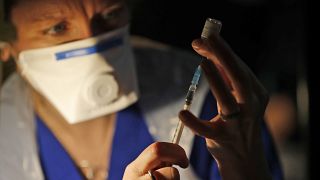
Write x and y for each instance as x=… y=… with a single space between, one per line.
x=157 y=148
x=130 y=171
x=128 y=168
x=167 y=173
x=131 y=168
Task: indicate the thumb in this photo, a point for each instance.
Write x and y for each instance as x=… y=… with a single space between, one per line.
x=207 y=129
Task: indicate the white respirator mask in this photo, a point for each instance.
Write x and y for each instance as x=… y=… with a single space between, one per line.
x=84 y=79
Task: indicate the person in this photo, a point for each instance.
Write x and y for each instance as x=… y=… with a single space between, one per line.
x=75 y=109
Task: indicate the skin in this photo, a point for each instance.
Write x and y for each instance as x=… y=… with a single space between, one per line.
x=54 y=22
x=235 y=144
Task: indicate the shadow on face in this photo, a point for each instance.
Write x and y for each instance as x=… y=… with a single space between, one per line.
x=44 y=23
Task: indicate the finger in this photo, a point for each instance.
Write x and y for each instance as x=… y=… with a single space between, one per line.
x=205 y=129
x=159 y=154
x=167 y=173
x=219 y=52
x=227 y=103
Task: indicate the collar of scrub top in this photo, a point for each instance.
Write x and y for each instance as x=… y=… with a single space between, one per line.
x=130 y=139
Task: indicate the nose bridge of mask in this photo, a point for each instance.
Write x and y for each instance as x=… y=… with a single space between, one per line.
x=71 y=57
x=101 y=47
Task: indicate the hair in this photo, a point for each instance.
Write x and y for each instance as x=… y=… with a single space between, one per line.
x=7 y=6
x=7 y=34
x=6 y=9
x=7 y=30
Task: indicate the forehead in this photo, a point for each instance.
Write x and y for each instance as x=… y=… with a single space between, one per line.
x=36 y=7
x=38 y=3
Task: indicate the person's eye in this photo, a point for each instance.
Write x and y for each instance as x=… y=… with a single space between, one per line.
x=57 y=29
x=109 y=16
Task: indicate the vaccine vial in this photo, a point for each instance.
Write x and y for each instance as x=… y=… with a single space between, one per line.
x=211 y=26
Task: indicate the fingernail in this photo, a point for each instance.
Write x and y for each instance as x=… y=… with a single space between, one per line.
x=196 y=44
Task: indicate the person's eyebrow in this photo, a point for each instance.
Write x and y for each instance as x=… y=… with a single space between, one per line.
x=46 y=16
x=46 y=11
x=111 y=3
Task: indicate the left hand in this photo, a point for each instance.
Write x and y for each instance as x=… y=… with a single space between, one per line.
x=233 y=137
x=156 y=158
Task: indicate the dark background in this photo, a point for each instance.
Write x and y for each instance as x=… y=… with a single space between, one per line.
x=269 y=35
x=253 y=28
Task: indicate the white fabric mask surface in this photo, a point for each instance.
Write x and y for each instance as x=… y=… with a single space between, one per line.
x=84 y=79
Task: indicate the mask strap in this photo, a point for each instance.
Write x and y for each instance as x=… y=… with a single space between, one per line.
x=2 y=45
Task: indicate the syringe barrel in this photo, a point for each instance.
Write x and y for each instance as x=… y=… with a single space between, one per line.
x=190 y=94
x=196 y=76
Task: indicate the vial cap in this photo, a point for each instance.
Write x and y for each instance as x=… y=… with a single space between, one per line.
x=211 y=26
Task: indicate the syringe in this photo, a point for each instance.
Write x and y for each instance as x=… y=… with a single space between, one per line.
x=211 y=26
x=187 y=103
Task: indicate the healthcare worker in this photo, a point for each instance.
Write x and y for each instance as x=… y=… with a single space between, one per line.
x=88 y=102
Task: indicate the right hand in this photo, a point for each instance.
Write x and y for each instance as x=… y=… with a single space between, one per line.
x=156 y=158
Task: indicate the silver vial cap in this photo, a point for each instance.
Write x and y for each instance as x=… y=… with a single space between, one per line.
x=211 y=26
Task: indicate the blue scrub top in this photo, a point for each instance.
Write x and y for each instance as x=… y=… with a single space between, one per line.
x=130 y=139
